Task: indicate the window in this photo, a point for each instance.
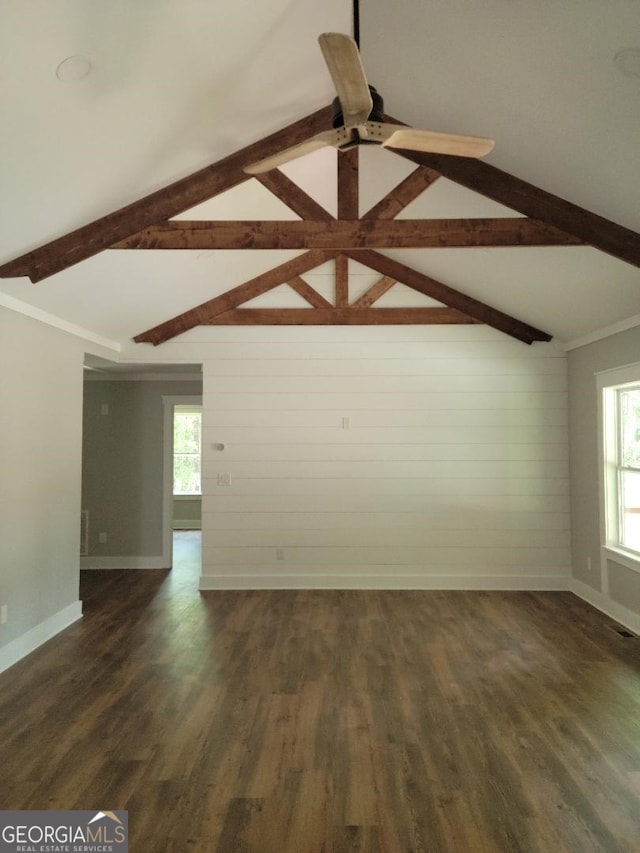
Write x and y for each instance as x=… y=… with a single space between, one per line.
x=621 y=468
x=187 y=430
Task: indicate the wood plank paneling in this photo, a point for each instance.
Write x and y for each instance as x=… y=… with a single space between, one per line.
x=375 y=468
x=390 y=436
x=371 y=399
x=490 y=559
x=336 y=367
x=373 y=419
x=441 y=520
x=396 y=384
x=441 y=486
x=359 y=536
x=381 y=503
x=363 y=456
x=354 y=450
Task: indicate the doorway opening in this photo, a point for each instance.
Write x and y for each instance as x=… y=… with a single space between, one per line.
x=187 y=556
x=182 y=480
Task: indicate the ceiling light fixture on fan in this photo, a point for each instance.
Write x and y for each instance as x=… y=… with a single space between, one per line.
x=358 y=116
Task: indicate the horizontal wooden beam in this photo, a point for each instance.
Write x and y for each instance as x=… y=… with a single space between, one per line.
x=340 y=317
x=453 y=298
x=349 y=234
x=164 y=203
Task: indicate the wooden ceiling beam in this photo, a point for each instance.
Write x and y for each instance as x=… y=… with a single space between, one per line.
x=349 y=234
x=304 y=289
x=179 y=196
x=202 y=314
x=487 y=180
x=292 y=195
x=403 y=194
x=348 y=184
x=187 y=192
x=342 y=281
x=453 y=298
x=340 y=317
x=374 y=293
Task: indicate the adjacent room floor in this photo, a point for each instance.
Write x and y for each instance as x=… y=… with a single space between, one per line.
x=330 y=721
x=187 y=557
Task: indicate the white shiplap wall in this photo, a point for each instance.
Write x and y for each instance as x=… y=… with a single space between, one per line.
x=452 y=473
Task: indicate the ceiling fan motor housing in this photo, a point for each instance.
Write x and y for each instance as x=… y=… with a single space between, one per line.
x=376 y=114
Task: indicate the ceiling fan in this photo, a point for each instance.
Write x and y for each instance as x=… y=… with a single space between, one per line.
x=358 y=116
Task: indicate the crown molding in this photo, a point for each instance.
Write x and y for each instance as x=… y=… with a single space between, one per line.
x=57 y=322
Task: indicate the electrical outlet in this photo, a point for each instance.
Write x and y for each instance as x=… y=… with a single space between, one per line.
x=4 y=613
x=102 y=538
x=224 y=479
x=588 y=564
x=346 y=422
x=279 y=553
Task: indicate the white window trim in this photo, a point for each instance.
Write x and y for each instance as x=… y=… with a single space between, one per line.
x=607 y=384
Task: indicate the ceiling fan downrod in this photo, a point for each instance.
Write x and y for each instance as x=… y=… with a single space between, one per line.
x=356 y=22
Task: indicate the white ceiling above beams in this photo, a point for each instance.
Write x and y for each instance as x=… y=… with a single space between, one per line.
x=173 y=87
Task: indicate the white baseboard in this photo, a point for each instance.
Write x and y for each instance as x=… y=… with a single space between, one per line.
x=602 y=602
x=387 y=581
x=28 y=642
x=125 y=563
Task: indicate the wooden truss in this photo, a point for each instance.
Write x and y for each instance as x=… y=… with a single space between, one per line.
x=148 y=224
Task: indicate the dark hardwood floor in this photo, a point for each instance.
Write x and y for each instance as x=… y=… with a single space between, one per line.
x=327 y=722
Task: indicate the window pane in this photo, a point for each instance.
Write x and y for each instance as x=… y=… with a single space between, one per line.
x=630 y=428
x=186 y=432
x=186 y=474
x=630 y=510
x=187 y=421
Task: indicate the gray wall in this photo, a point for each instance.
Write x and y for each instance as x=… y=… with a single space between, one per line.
x=122 y=464
x=187 y=513
x=40 y=440
x=584 y=362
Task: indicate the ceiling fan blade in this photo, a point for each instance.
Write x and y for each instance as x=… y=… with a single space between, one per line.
x=321 y=140
x=347 y=72
x=436 y=143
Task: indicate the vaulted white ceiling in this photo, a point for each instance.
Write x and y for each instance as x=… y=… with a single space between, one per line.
x=177 y=84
